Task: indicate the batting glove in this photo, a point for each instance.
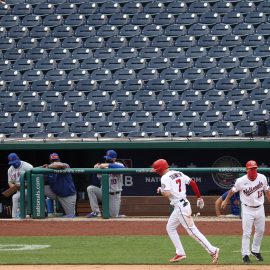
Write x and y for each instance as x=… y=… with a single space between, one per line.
x=200 y=203
x=159 y=190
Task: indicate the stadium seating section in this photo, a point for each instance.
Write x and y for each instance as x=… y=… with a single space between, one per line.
x=127 y=69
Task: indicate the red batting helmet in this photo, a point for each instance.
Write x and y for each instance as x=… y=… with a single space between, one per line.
x=160 y=165
x=251 y=164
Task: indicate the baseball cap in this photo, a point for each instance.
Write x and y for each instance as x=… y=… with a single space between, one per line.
x=110 y=154
x=54 y=156
x=12 y=158
x=251 y=164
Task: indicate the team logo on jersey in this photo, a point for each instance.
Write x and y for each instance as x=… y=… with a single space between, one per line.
x=250 y=190
x=225 y=179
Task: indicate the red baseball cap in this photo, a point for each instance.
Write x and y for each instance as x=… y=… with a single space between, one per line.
x=251 y=164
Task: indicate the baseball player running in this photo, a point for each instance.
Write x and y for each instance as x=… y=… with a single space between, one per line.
x=251 y=187
x=173 y=186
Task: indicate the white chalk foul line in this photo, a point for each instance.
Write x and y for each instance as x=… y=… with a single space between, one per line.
x=262 y=251
x=21 y=247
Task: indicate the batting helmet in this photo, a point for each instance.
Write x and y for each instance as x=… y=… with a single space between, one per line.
x=251 y=164
x=160 y=165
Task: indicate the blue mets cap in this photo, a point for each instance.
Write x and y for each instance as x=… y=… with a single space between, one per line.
x=12 y=158
x=110 y=154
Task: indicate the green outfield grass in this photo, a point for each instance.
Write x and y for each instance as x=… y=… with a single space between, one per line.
x=119 y=250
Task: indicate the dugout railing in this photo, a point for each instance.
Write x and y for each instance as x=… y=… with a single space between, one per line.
x=33 y=182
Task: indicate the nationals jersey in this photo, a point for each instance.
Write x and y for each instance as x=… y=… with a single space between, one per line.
x=175 y=182
x=14 y=174
x=251 y=192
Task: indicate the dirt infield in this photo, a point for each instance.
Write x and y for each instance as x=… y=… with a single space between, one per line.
x=129 y=226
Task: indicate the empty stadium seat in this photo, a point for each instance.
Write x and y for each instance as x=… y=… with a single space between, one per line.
x=95 y=116
x=235 y=116
x=57 y=127
x=104 y=126
x=118 y=116
x=47 y=117
x=176 y=126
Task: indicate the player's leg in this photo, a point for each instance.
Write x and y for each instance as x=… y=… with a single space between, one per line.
x=114 y=204
x=247 y=223
x=68 y=204
x=49 y=193
x=171 y=228
x=15 y=204
x=259 y=225
x=94 y=195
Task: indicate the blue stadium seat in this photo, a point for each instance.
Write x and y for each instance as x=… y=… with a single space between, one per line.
x=164 y=19
x=45 y=64
x=133 y=85
x=18 y=32
x=200 y=106
x=208 y=134
x=193 y=74
x=53 y=20
x=34 y=53
x=255 y=17
x=243 y=29
x=84 y=31
x=140 y=42
x=94 y=42
x=216 y=73
x=95 y=116
x=248 y=105
x=249 y=83
x=245 y=7
x=60 y=106
x=175 y=30
x=136 y=63
x=251 y=62
x=152 y=30
x=5 y=64
x=254 y=40
x=131 y=106
x=85 y=85
x=239 y=73
x=109 y=8
x=248 y=128
x=28 y=96
x=98 y=95
x=185 y=41
x=79 y=74
x=9 y=20
x=260 y=94
x=237 y=95
x=128 y=126
x=124 y=74
x=13 y=54
x=203 y=85
x=47 y=117
x=182 y=62
x=90 y=135
x=113 y=135
x=23 y=64
x=168 y=95
x=198 y=30
x=145 y=95
x=101 y=74
x=214 y=95
x=116 y=42
x=132 y=8
x=84 y=106
x=40 y=31
x=221 y=29
x=149 y=52
x=72 y=43
x=177 y=106
x=3 y=86
x=114 y=63
x=4 y=10
x=74 y=96
x=176 y=126
x=118 y=116
x=155 y=7
x=5 y=117
x=196 y=52
x=152 y=127
x=231 y=40
x=43 y=9
x=199 y=7
x=208 y=41
x=218 y=52
x=233 y=18
x=259 y=115
x=67 y=135
x=127 y=52
x=90 y=64
x=184 y=134
x=155 y=84
x=64 y=86
x=32 y=128
x=170 y=74
x=262 y=50
x=191 y=95
x=110 y=85
x=80 y=127
x=263 y=28
x=162 y=41
x=212 y=116
x=176 y=7
x=235 y=116
x=65 y=8
x=41 y=86
x=159 y=63
x=55 y=75
x=51 y=96
x=87 y=8
x=104 y=126
x=49 y=43
x=188 y=116
x=81 y=53
x=59 y=53
x=210 y=18
x=119 y=19
x=75 y=20
x=141 y=116
x=107 y=106
x=165 y=117
x=228 y=62
x=22 y=9
x=6 y=96
x=27 y=43
x=231 y=133
x=10 y=75
x=121 y=96
x=57 y=127
x=187 y=18
x=68 y=64
x=261 y=72
x=205 y=62
x=62 y=31
x=223 y=126
x=106 y=31
x=154 y=106
x=180 y=85
x=10 y=128
x=37 y=106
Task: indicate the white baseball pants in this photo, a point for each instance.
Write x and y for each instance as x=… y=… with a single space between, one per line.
x=252 y=216
x=182 y=215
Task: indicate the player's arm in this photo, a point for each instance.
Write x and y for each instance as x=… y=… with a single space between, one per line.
x=111 y=166
x=218 y=206
x=164 y=193
x=58 y=166
x=195 y=188
x=227 y=199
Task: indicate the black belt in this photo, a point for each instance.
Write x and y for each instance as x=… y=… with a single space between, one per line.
x=114 y=193
x=252 y=206
x=185 y=203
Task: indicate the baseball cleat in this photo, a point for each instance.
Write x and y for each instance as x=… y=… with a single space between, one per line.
x=215 y=256
x=246 y=259
x=177 y=258
x=93 y=215
x=257 y=255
